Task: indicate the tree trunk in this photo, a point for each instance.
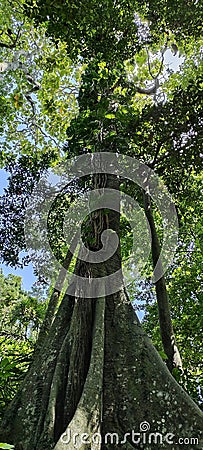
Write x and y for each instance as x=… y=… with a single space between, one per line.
x=99 y=373
x=165 y=321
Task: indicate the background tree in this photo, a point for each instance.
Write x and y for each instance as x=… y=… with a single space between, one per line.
x=21 y=316
x=185 y=290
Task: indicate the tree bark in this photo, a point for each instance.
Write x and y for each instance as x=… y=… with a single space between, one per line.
x=98 y=373
x=55 y=298
x=165 y=321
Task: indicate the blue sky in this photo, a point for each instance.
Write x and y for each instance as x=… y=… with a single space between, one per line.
x=3 y=180
x=26 y=273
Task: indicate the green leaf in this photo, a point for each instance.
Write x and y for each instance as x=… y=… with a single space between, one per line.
x=110 y=116
x=163 y=355
x=7 y=446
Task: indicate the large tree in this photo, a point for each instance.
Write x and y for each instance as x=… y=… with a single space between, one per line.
x=94 y=369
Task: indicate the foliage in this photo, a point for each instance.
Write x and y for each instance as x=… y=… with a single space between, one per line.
x=39 y=88
x=90 y=28
x=21 y=315
x=35 y=78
